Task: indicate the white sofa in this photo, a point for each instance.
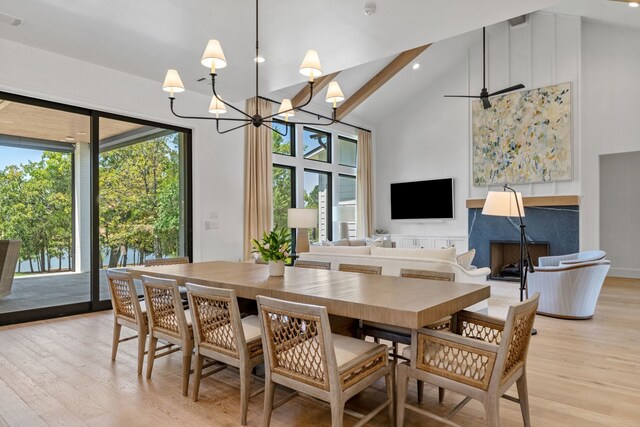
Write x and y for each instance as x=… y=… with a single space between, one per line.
x=569 y=285
x=393 y=260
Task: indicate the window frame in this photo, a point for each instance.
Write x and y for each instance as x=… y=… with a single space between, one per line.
x=329 y=145
x=291 y=131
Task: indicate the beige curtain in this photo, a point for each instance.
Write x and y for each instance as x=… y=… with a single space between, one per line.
x=257 y=177
x=364 y=186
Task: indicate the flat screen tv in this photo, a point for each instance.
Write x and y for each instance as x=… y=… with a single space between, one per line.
x=431 y=199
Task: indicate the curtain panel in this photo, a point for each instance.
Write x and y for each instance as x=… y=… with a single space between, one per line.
x=258 y=171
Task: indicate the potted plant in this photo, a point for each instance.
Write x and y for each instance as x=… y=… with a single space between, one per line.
x=274 y=248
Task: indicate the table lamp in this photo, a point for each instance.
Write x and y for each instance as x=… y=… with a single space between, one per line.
x=302 y=220
x=344 y=215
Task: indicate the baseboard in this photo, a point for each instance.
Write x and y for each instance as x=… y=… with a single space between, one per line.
x=629 y=273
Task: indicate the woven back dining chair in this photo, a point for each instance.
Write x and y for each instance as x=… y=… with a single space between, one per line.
x=169 y=322
x=399 y=335
x=481 y=358
x=127 y=311
x=220 y=334
x=359 y=268
x=303 y=354
x=317 y=265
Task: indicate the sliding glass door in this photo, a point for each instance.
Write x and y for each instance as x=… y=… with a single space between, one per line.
x=82 y=191
x=142 y=195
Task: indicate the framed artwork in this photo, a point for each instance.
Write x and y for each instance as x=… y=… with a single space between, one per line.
x=525 y=137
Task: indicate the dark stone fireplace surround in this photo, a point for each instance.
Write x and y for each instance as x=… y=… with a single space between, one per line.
x=557 y=225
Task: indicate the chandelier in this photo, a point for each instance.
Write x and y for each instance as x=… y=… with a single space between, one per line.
x=213 y=58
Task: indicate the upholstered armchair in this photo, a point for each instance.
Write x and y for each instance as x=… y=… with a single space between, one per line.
x=569 y=285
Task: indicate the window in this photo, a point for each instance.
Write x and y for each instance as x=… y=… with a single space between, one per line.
x=283 y=194
x=307 y=175
x=347 y=151
x=317 y=145
x=283 y=144
x=317 y=194
x=346 y=210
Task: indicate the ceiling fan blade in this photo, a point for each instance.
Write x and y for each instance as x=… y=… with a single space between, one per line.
x=461 y=96
x=485 y=103
x=509 y=89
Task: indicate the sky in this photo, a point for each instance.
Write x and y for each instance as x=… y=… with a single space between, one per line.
x=17 y=156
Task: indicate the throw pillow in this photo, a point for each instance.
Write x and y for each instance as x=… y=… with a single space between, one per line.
x=343 y=242
x=379 y=242
x=357 y=242
x=465 y=259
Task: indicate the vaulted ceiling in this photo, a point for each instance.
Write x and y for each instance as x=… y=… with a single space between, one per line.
x=146 y=37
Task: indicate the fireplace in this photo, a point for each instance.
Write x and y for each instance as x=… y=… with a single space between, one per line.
x=504 y=258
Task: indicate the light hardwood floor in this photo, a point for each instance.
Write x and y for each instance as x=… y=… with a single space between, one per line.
x=59 y=372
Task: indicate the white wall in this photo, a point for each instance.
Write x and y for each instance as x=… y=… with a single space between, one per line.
x=218 y=160
x=430 y=136
x=610 y=94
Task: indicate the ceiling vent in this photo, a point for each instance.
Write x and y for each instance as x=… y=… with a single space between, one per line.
x=518 y=20
x=14 y=21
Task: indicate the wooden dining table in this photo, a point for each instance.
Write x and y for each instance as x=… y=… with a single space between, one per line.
x=398 y=301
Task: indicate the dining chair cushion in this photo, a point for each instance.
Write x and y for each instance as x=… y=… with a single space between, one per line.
x=406 y=352
x=390 y=328
x=251 y=327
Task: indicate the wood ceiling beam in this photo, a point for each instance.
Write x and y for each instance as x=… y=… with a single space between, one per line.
x=320 y=83
x=369 y=88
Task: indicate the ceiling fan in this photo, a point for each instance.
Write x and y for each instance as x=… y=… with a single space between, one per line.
x=484 y=93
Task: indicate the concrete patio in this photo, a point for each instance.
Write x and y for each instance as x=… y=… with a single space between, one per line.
x=48 y=290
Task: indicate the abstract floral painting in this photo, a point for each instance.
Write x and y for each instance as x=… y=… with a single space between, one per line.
x=525 y=137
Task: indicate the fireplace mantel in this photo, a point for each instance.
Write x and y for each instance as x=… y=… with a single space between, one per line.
x=570 y=200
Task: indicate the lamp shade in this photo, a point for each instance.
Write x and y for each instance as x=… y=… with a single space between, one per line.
x=334 y=93
x=213 y=57
x=302 y=218
x=344 y=213
x=503 y=203
x=216 y=106
x=286 y=106
x=172 y=82
x=310 y=66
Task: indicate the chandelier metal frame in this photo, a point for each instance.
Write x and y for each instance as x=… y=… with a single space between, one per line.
x=174 y=84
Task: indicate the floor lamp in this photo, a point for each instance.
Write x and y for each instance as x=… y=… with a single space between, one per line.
x=302 y=220
x=508 y=202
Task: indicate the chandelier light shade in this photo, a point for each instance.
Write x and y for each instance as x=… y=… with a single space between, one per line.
x=310 y=66
x=334 y=93
x=503 y=203
x=172 y=82
x=216 y=107
x=286 y=109
x=214 y=59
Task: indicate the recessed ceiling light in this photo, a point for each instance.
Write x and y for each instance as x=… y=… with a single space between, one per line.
x=416 y=66
x=81 y=133
x=634 y=4
x=259 y=59
x=69 y=138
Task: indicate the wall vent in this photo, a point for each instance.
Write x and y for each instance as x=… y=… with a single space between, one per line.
x=14 y=21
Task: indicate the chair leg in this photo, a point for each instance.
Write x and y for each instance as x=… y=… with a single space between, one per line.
x=401 y=394
x=492 y=410
x=388 y=379
x=523 y=395
x=197 y=376
x=337 y=412
x=186 y=369
x=142 y=343
x=441 y=394
x=245 y=384
x=269 y=393
x=420 y=391
x=116 y=339
x=151 y=354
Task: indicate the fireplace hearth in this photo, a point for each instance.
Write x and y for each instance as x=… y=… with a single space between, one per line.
x=504 y=258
